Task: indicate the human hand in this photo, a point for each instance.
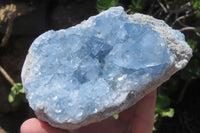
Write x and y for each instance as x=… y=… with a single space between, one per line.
x=137 y=119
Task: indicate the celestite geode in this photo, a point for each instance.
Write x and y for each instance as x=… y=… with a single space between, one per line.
x=88 y=72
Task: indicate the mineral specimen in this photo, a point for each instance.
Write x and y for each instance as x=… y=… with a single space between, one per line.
x=88 y=72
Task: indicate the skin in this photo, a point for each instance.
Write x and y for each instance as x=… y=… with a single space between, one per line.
x=137 y=119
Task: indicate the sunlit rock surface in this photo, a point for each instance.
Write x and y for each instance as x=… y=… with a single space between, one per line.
x=88 y=72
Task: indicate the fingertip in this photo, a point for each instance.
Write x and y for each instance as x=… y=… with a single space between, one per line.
x=27 y=125
x=34 y=125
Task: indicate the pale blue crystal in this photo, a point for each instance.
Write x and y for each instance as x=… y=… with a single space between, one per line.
x=83 y=70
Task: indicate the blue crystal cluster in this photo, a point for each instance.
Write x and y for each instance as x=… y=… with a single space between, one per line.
x=87 y=68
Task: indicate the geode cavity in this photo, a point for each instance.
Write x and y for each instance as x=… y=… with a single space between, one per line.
x=88 y=72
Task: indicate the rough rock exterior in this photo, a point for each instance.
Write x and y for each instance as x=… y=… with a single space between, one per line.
x=86 y=73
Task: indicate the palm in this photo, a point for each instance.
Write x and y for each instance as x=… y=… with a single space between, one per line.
x=137 y=119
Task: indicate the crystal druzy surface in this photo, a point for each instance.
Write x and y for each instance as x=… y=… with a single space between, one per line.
x=85 y=69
